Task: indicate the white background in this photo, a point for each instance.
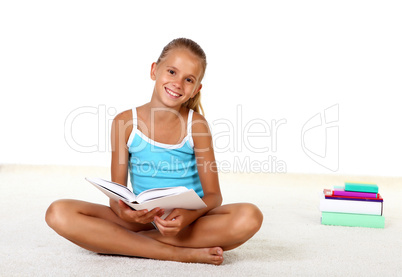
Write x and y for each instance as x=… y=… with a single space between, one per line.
x=276 y=60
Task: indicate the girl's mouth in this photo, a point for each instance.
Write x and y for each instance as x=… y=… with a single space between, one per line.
x=172 y=93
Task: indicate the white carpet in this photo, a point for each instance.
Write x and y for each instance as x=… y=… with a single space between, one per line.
x=291 y=241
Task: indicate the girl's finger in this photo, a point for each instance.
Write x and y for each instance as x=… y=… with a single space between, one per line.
x=142 y=213
x=171 y=216
x=150 y=215
x=123 y=205
x=166 y=223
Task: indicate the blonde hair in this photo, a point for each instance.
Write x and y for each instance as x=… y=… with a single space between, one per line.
x=195 y=102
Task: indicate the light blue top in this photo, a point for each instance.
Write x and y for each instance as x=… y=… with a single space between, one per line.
x=154 y=165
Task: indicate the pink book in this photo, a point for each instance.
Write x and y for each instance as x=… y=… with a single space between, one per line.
x=354 y=194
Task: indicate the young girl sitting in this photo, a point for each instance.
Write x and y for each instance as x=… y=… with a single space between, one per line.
x=168 y=129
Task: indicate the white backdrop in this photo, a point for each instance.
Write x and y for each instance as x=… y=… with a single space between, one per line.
x=291 y=86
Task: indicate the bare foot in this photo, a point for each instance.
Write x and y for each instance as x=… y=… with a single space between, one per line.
x=212 y=255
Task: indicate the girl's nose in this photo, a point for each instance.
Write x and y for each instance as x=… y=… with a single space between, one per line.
x=178 y=83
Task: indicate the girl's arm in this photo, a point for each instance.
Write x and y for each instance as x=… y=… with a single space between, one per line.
x=119 y=162
x=207 y=170
x=206 y=164
x=121 y=129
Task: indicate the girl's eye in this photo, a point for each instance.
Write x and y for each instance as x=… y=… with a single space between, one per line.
x=189 y=80
x=171 y=71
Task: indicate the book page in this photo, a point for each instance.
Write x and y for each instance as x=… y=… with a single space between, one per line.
x=186 y=200
x=155 y=193
x=113 y=189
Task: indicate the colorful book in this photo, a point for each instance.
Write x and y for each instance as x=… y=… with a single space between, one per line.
x=355 y=194
x=353 y=220
x=329 y=194
x=350 y=206
x=359 y=187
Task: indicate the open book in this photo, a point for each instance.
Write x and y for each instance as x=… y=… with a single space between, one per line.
x=165 y=198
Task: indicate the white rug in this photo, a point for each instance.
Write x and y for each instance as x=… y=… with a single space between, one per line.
x=291 y=242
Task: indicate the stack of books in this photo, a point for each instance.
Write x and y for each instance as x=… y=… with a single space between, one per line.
x=355 y=204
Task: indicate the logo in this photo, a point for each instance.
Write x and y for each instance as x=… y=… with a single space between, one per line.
x=320 y=138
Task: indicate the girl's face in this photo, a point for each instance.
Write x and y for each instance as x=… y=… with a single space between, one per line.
x=177 y=77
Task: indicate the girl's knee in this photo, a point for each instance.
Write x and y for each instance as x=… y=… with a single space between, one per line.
x=247 y=221
x=252 y=216
x=56 y=213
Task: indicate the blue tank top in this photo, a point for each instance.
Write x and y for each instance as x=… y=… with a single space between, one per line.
x=154 y=165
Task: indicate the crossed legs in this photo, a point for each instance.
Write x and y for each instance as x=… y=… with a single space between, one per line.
x=227 y=226
x=97 y=228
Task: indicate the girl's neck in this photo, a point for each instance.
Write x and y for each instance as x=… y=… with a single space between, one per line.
x=162 y=113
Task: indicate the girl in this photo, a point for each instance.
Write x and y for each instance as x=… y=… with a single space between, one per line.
x=168 y=129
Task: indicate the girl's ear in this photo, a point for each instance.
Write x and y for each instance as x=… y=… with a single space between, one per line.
x=197 y=91
x=153 y=71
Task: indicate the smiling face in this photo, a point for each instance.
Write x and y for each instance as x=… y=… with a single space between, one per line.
x=177 y=78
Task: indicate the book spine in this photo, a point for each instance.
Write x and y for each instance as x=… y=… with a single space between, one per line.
x=353 y=220
x=355 y=194
x=350 y=206
x=354 y=198
x=359 y=187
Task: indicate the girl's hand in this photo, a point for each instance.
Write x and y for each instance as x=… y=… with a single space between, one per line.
x=175 y=221
x=141 y=216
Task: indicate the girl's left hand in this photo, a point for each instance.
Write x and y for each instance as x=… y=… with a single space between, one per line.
x=175 y=222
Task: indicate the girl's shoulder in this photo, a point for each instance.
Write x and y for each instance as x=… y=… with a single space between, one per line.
x=124 y=117
x=198 y=118
x=122 y=126
x=123 y=122
x=199 y=124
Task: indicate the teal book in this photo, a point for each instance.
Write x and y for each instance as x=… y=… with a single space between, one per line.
x=359 y=187
x=353 y=220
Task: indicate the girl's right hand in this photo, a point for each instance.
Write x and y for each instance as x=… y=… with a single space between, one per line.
x=141 y=216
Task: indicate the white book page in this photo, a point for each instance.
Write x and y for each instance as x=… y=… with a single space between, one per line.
x=152 y=194
x=187 y=200
x=112 y=188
